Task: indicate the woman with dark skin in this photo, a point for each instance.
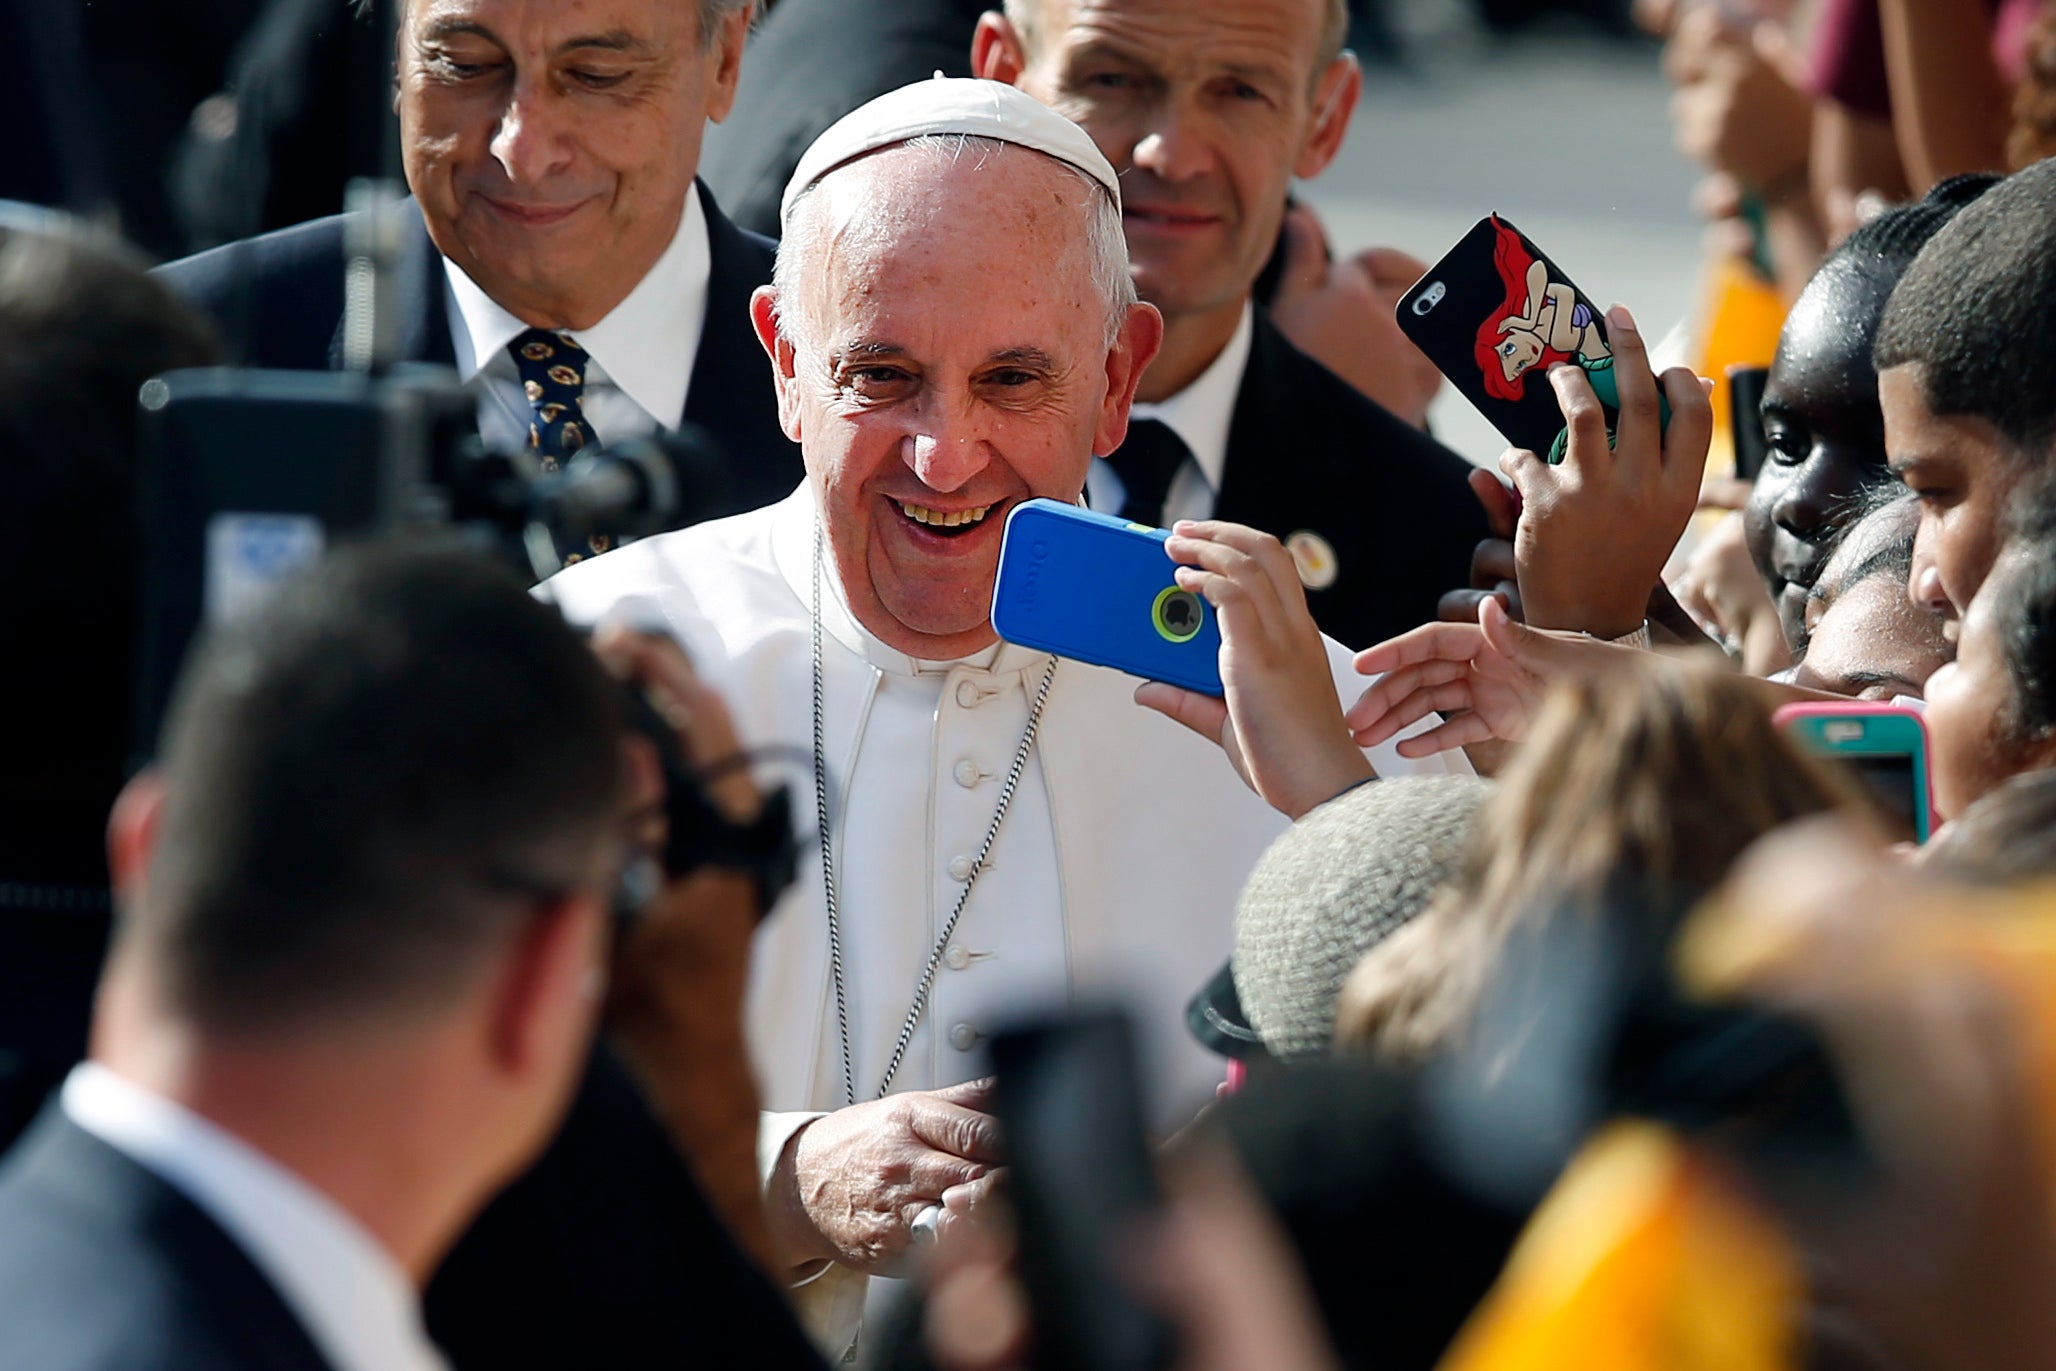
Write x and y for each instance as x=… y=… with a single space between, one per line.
x=1820 y=404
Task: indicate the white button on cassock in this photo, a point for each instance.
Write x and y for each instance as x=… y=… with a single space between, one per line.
x=963 y=1037
x=969 y=695
x=967 y=773
x=956 y=959
x=960 y=868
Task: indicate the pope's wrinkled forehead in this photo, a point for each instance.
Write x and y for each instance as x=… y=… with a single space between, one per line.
x=1001 y=229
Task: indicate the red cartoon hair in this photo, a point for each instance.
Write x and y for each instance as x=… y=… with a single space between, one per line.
x=1511 y=256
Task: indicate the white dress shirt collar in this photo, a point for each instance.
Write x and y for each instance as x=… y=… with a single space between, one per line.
x=347 y=1291
x=647 y=344
x=792 y=547
x=1201 y=413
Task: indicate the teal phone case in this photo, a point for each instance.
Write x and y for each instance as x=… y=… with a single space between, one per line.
x=1877 y=741
x=1100 y=589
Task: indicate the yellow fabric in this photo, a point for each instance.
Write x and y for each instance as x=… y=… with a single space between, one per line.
x=1740 y=315
x=1641 y=1259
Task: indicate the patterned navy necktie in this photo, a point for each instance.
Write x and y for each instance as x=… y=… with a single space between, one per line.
x=552 y=371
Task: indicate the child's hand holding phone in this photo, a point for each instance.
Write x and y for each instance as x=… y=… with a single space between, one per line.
x=1279 y=721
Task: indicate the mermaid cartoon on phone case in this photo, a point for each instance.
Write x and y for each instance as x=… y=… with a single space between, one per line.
x=1542 y=322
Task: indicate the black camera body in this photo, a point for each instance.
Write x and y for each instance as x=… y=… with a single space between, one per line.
x=249 y=475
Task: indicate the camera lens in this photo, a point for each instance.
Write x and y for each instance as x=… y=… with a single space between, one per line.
x=1177 y=614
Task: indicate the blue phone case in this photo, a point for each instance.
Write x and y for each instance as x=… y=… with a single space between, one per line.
x=1100 y=590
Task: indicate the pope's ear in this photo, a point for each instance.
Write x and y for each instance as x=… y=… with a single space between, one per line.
x=997 y=53
x=784 y=360
x=1135 y=347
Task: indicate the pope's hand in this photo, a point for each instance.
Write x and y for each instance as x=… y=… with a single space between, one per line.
x=1280 y=722
x=850 y=1184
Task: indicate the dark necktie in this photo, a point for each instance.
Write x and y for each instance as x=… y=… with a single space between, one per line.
x=1146 y=461
x=552 y=371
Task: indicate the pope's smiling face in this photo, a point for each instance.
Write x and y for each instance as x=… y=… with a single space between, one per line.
x=947 y=359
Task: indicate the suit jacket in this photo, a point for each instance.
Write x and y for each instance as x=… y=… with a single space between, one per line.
x=606 y=1253
x=280 y=297
x=1310 y=454
x=106 y=1267
x=810 y=63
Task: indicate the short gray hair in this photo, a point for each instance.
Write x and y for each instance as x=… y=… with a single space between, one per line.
x=1026 y=17
x=712 y=12
x=801 y=248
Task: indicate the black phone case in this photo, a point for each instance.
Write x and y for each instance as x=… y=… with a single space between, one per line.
x=1475 y=316
x=1745 y=419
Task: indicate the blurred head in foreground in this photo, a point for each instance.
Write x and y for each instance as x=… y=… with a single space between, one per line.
x=85 y=327
x=1649 y=779
x=1330 y=888
x=364 y=900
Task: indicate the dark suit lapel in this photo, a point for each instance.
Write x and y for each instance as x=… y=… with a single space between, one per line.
x=107 y=1192
x=1256 y=488
x=423 y=323
x=730 y=390
x=1273 y=482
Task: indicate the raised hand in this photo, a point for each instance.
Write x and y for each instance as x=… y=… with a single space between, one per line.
x=1491 y=674
x=1341 y=313
x=1596 y=529
x=1280 y=722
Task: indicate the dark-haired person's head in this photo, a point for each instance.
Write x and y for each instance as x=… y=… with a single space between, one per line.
x=1991 y=713
x=1820 y=404
x=384 y=829
x=85 y=327
x=1863 y=637
x=1966 y=360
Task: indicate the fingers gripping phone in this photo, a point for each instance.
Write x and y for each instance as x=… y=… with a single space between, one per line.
x=1494 y=315
x=1884 y=746
x=1100 y=590
x=1067 y=1097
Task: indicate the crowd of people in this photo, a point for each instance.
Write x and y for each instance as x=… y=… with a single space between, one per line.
x=602 y=969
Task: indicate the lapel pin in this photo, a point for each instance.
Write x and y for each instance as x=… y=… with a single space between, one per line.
x=1315 y=558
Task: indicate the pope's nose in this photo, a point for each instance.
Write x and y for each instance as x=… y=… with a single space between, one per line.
x=947 y=459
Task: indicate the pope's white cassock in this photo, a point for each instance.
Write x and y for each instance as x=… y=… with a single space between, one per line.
x=1116 y=870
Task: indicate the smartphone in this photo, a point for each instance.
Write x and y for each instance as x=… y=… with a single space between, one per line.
x=1493 y=316
x=1745 y=419
x=1884 y=746
x=1067 y=1097
x=1100 y=590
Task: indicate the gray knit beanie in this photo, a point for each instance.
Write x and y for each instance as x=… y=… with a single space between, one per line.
x=1332 y=887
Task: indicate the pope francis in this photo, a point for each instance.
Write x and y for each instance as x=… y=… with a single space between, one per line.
x=952 y=330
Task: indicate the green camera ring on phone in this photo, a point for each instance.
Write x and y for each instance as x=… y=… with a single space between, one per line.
x=1164 y=630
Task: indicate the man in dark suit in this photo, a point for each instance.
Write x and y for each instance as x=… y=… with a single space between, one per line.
x=1209 y=108
x=557 y=251
x=364 y=910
